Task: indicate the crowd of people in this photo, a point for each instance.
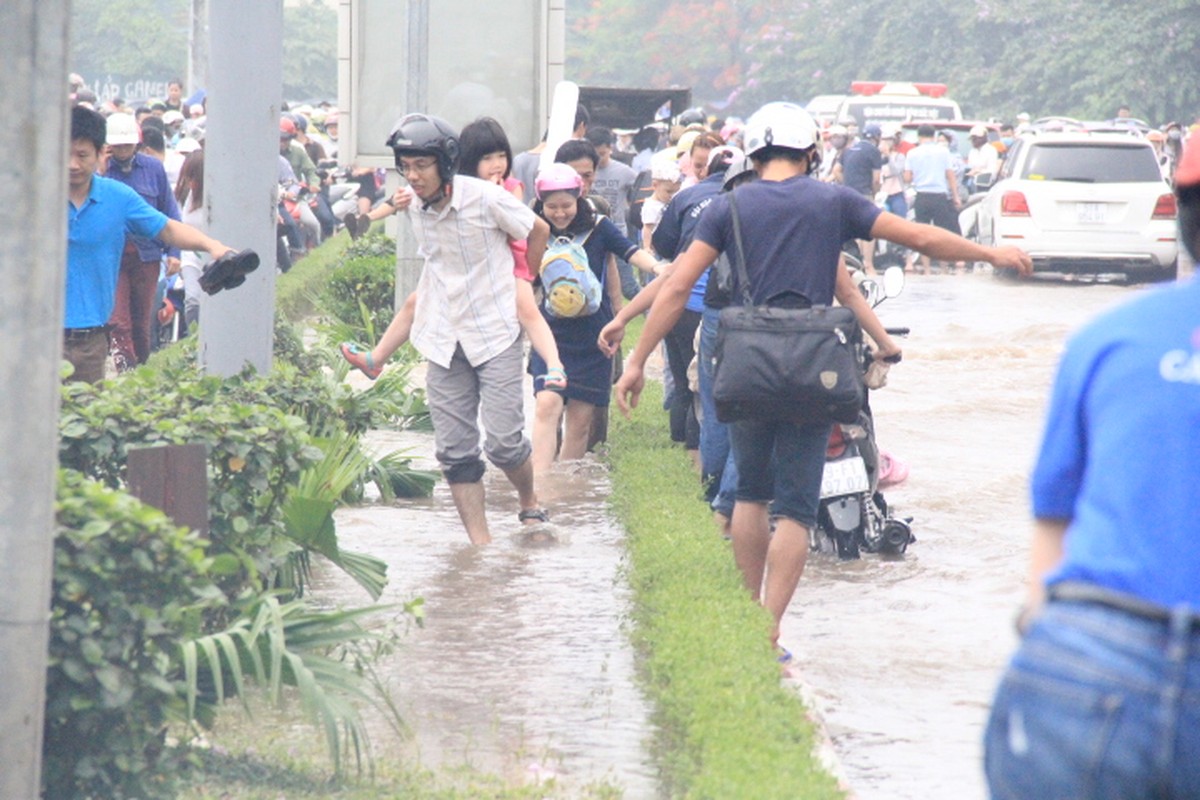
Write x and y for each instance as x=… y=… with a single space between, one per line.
x=466 y=314
x=157 y=148
x=648 y=220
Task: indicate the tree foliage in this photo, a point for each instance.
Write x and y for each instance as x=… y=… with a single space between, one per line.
x=998 y=58
x=148 y=39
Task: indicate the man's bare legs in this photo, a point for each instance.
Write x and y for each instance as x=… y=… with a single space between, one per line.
x=468 y=500
x=786 y=557
x=750 y=532
x=781 y=558
x=521 y=478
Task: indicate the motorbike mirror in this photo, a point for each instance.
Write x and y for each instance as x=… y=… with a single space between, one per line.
x=893 y=281
x=871 y=291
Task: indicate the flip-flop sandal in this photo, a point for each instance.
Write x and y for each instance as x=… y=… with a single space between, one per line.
x=360 y=359
x=533 y=515
x=555 y=380
x=229 y=271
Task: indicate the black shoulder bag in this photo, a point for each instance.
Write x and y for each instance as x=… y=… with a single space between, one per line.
x=797 y=365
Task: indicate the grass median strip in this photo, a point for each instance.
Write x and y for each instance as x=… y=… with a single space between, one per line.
x=730 y=729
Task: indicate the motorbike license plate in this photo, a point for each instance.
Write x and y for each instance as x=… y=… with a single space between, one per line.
x=847 y=476
x=1090 y=213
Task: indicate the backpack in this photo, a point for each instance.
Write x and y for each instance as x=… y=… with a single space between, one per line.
x=571 y=288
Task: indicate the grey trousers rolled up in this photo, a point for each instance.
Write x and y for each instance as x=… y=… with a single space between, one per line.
x=461 y=395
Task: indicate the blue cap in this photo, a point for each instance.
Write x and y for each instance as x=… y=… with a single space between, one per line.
x=873 y=131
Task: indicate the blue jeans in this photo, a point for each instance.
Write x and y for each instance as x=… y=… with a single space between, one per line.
x=1098 y=703
x=781 y=463
x=718 y=470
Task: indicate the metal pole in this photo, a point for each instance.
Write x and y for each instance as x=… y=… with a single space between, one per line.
x=241 y=177
x=33 y=245
x=408 y=263
x=197 y=46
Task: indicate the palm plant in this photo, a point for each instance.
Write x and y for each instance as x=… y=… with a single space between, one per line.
x=326 y=656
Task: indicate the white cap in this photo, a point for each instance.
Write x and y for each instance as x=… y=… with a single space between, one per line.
x=172 y=117
x=664 y=168
x=187 y=145
x=196 y=110
x=978 y=130
x=123 y=129
x=1023 y=116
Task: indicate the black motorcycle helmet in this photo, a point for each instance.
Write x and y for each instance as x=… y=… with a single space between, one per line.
x=425 y=135
x=693 y=116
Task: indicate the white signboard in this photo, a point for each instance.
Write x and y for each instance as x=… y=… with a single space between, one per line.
x=457 y=59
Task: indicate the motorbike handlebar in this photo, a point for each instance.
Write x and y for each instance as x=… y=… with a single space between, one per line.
x=897 y=331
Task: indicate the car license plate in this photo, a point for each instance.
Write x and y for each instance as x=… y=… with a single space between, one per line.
x=847 y=476
x=1090 y=213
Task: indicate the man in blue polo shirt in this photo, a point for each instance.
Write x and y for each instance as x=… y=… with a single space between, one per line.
x=99 y=213
x=1100 y=699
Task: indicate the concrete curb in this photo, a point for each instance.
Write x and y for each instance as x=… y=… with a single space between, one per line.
x=823 y=749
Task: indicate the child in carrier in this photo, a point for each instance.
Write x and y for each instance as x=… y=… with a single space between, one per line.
x=576 y=309
x=665 y=180
x=484 y=153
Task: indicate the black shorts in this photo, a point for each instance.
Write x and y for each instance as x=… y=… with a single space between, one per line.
x=931 y=207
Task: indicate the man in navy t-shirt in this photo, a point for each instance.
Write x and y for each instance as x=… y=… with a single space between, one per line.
x=1102 y=691
x=793 y=227
x=861 y=167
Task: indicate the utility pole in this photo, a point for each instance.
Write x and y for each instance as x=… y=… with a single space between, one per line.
x=197 y=74
x=33 y=247
x=241 y=176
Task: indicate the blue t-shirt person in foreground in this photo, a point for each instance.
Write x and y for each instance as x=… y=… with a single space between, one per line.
x=793 y=228
x=1101 y=695
x=100 y=211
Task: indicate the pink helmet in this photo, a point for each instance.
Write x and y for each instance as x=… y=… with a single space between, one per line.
x=558 y=178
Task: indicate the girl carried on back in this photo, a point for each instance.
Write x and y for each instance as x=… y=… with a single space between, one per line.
x=484 y=153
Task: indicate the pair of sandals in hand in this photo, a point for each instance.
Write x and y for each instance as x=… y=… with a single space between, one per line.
x=229 y=271
x=361 y=359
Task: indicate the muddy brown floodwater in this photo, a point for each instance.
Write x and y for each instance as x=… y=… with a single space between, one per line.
x=904 y=655
x=525 y=669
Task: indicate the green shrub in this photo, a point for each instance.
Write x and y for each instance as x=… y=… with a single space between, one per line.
x=127 y=586
x=256 y=452
x=360 y=294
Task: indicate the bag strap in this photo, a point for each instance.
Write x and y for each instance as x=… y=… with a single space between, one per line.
x=740 y=262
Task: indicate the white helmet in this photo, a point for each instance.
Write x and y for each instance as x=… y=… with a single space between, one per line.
x=780 y=125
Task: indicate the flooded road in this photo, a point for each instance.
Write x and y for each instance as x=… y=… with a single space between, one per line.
x=904 y=656
x=524 y=668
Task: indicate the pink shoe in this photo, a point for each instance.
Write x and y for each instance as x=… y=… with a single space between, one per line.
x=360 y=359
x=892 y=471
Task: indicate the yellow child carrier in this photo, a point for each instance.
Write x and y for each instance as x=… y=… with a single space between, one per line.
x=571 y=288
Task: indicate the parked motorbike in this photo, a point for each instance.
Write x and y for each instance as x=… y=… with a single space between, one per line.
x=853 y=516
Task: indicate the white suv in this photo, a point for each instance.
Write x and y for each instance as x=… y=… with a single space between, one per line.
x=1083 y=203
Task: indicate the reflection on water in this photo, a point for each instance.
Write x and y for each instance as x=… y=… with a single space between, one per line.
x=523 y=668
x=904 y=655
